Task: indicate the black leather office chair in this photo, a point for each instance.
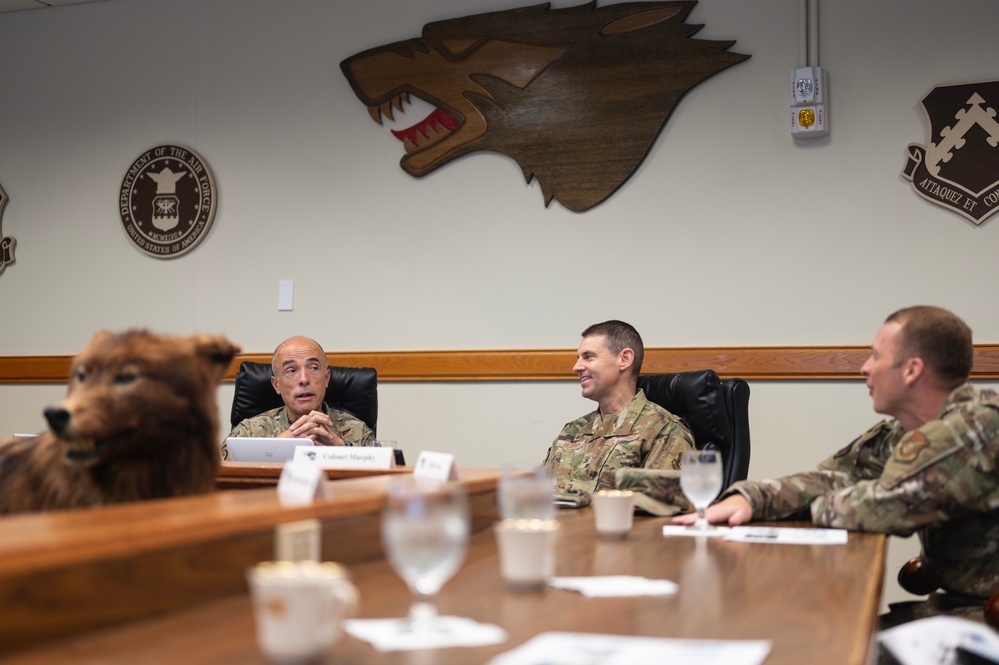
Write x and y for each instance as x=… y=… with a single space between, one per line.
x=352 y=389
x=716 y=411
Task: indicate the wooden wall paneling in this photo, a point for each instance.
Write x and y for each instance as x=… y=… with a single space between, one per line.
x=754 y=363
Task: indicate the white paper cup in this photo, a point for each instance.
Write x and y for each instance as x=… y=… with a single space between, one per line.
x=527 y=552
x=614 y=512
x=298 y=607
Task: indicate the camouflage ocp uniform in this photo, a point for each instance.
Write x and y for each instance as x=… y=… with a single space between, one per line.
x=589 y=450
x=351 y=429
x=940 y=481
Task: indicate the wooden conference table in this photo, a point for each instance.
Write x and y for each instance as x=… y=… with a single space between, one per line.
x=817 y=604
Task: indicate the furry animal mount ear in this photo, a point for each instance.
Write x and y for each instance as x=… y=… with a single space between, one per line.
x=101 y=336
x=217 y=349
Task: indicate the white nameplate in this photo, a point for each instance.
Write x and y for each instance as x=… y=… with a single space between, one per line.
x=437 y=466
x=346 y=457
x=302 y=483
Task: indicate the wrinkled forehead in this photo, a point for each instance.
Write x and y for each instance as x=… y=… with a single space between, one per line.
x=298 y=353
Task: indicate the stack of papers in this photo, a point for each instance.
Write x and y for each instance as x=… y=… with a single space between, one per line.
x=767 y=534
x=594 y=649
x=936 y=641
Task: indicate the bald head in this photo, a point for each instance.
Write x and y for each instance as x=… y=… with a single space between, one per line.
x=301 y=375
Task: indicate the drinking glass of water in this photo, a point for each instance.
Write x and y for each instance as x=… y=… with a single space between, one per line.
x=701 y=481
x=523 y=495
x=425 y=527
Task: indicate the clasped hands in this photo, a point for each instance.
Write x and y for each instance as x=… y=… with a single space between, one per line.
x=315 y=425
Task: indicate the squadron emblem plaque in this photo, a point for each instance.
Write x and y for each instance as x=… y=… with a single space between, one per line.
x=958 y=168
x=6 y=244
x=167 y=201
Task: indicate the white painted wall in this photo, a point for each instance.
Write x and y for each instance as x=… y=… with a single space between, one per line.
x=730 y=233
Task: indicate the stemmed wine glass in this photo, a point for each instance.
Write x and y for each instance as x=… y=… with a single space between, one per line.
x=425 y=528
x=701 y=481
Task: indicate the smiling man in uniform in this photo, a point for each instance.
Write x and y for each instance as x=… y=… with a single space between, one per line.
x=626 y=430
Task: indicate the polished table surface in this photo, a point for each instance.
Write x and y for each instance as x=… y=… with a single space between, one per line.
x=817 y=604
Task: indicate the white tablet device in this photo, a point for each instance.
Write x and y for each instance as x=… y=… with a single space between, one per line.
x=263 y=449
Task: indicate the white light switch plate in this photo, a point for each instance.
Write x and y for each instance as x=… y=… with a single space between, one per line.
x=286 y=295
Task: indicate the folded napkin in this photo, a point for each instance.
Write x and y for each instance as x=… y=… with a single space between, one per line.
x=393 y=634
x=615 y=585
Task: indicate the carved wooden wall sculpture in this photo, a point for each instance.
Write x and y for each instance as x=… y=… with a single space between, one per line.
x=576 y=96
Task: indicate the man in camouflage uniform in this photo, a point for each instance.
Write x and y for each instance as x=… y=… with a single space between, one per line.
x=301 y=375
x=626 y=430
x=932 y=470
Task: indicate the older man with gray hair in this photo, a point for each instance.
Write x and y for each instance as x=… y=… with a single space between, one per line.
x=300 y=375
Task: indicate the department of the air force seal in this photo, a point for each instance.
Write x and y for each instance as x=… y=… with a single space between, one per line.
x=167 y=201
x=959 y=167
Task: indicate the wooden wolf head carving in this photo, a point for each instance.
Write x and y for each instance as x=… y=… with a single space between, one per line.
x=576 y=96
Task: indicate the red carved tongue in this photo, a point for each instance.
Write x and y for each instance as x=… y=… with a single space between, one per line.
x=436 y=119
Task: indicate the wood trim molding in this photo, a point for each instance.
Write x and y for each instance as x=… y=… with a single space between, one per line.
x=754 y=363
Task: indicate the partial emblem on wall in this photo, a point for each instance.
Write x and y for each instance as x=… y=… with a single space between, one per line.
x=167 y=201
x=959 y=167
x=6 y=244
x=576 y=96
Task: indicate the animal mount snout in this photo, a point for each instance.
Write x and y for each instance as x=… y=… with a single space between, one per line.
x=58 y=418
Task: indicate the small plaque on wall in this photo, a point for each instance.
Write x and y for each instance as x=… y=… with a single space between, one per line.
x=958 y=168
x=6 y=244
x=167 y=201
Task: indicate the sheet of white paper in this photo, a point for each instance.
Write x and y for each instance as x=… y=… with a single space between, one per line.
x=787 y=536
x=593 y=649
x=931 y=641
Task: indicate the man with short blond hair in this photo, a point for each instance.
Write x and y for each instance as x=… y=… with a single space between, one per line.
x=931 y=470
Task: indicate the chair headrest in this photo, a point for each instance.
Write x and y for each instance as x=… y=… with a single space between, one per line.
x=351 y=389
x=699 y=399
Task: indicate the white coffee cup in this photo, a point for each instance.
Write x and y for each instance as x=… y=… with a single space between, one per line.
x=614 y=512
x=298 y=607
x=527 y=552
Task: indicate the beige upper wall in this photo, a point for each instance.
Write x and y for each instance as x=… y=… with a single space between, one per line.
x=730 y=233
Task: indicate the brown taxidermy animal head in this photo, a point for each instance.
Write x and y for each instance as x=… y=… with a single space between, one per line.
x=139 y=421
x=576 y=96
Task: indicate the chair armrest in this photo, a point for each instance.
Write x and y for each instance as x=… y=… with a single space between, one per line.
x=913 y=578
